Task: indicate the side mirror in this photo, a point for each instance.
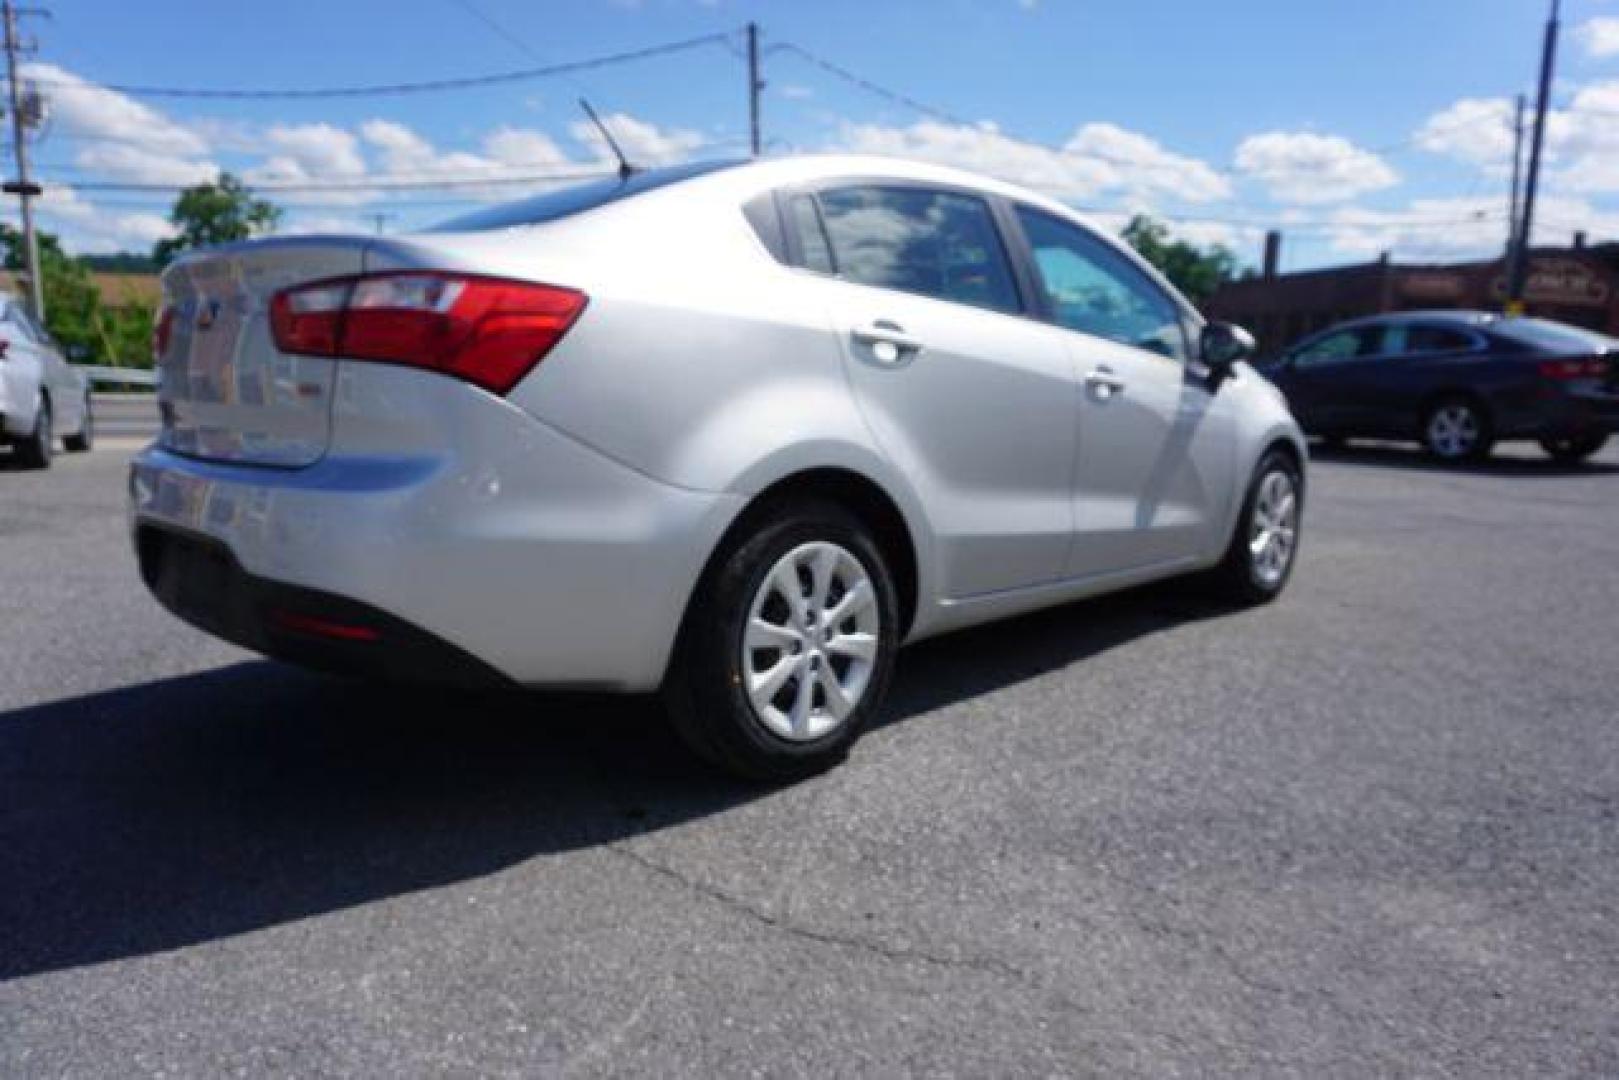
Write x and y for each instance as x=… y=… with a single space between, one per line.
x=77 y=354
x=1223 y=344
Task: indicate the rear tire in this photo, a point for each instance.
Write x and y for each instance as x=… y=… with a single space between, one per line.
x=1574 y=449
x=86 y=438
x=34 y=451
x=1457 y=429
x=1264 y=545
x=773 y=688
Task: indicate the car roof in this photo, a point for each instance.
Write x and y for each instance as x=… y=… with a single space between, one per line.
x=1455 y=317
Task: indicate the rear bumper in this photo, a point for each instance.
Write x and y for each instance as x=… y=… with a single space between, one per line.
x=443 y=512
x=200 y=581
x=1560 y=415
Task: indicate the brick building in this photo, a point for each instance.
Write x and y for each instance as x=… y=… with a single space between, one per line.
x=1578 y=285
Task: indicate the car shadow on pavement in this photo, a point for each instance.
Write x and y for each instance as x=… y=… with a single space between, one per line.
x=1526 y=462
x=194 y=808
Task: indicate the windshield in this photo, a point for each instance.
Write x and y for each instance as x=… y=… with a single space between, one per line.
x=577 y=199
x=1555 y=336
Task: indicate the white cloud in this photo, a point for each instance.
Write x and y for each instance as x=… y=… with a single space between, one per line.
x=1475 y=130
x=1143 y=165
x=1458 y=227
x=1097 y=158
x=1301 y=167
x=319 y=149
x=118 y=137
x=1600 y=36
x=1582 y=140
x=85 y=227
x=138 y=165
x=642 y=143
x=84 y=108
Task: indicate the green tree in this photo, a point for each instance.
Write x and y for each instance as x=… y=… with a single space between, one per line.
x=76 y=316
x=1195 y=271
x=215 y=213
x=72 y=302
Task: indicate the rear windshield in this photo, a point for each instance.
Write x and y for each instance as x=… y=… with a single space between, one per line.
x=567 y=201
x=1554 y=336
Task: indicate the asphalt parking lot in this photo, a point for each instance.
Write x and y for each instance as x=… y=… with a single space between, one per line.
x=1371 y=829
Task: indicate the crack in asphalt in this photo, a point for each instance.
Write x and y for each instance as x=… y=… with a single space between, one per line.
x=988 y=964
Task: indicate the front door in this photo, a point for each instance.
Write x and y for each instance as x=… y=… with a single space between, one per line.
x=1156 y=446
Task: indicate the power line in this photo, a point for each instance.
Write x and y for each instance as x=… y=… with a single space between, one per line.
x=500 y=31
x=470 y=82
x=946 y=116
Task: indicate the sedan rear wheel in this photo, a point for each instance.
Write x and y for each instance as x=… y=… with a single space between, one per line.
x=86 y=437
x=34 y=452
x=786 y=652
x=1574 y=448
x=1457 y=430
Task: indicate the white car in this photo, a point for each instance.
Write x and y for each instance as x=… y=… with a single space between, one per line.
x=42 y=396
x=732 y=431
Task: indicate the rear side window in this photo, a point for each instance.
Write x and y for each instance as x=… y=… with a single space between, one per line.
x=937 y=243
x=812 y=241
x=1436 y=339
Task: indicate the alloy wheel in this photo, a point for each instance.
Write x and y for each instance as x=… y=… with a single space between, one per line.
x=1273 y=531
x=1454 y=430
x=810 y=644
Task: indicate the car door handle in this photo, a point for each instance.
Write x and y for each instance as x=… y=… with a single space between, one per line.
x=888 y=341
x=1104 y=382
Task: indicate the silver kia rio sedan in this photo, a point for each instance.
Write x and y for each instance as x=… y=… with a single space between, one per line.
x=734 y=432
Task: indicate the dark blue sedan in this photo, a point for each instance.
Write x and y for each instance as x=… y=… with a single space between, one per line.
x=1456 y=381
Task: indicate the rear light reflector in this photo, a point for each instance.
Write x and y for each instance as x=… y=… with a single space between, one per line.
x=315 y=626
x=161 y=331
x=1584 y=367
x=488 y=331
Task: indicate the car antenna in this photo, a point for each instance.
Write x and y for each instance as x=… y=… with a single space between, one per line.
x=625 y=169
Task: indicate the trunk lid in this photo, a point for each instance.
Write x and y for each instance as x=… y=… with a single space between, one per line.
x=225 y=392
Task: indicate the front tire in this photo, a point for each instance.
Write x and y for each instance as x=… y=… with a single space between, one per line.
x=1574 y=449
x=34 y=451
x=1456 y=430
x=86 y=438
x=1264 y=545
x=788 y=646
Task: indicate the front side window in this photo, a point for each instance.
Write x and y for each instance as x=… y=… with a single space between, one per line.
x=937 y=243
x=1338 y=347
x=1091 y=288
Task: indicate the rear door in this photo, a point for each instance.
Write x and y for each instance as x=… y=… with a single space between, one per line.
x=1156 y=448
x=225 y=392
x=971 y=399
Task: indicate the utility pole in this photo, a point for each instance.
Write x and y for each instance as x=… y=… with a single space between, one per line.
x=381 y=218
x=755 y=85
x=1513 y=207
x=1519 y=272
x=22 y=187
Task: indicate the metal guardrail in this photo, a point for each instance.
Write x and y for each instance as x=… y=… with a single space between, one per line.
x=120 y=375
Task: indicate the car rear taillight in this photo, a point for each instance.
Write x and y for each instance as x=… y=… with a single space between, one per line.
x=1580 y=367
x=488 y=331
x=161 y=331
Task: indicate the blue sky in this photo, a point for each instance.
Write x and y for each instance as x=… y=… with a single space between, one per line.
x=1355 y=127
